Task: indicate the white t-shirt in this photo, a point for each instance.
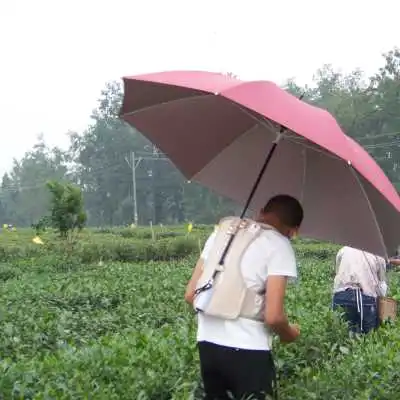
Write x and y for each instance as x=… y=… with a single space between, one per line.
x=270 y=254
x=355 y=267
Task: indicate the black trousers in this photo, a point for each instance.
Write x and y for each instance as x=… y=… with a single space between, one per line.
x=245 y=374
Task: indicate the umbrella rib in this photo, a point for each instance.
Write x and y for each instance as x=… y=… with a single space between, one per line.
x=304 y=174
x=295 y=138
x=369 y=206
x=265 y=122
x=317 y=149
x=166 y=102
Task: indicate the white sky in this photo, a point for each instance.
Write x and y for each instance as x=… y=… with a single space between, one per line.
x=55 y=56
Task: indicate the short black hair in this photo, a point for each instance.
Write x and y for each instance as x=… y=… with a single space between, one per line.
x=287 y=208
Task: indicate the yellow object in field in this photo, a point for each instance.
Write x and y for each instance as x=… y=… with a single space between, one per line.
x=37 y=240
x=5 y=226
x=190 y=227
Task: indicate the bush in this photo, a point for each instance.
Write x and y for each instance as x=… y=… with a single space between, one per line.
x=7 y=272
x=137 y=251
x=91 y=248
x=14 y=252
x=318 y=251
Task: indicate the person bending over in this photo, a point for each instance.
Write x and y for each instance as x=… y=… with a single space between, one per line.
x=360 y=279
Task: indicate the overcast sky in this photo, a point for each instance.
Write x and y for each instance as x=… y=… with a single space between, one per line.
x=55 y=56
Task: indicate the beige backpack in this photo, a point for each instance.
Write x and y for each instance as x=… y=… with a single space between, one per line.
x=221 y=290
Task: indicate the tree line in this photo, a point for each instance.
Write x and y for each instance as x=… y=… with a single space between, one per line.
x=100 y=159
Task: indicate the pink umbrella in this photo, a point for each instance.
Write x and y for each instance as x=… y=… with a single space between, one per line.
x=223 y=132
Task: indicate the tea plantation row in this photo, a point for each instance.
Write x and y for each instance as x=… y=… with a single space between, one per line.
x=111 y=324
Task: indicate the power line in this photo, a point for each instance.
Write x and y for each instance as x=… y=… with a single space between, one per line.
x=384 y=145
x=381 y=135
x=103 y=170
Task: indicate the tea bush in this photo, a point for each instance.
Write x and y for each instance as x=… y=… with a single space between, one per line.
x=135 y=245
x=74 y=328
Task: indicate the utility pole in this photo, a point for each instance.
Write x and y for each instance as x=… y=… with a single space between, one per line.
x=135 y=212
x=154 y=168
x=152 y=155
x=133 y=163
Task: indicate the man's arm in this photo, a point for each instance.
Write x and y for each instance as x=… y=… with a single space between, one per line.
x=274 y=315
x=198 y=269
x=191 y=286
x=395 y=262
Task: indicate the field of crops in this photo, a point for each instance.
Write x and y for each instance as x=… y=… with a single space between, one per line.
x=108 y=321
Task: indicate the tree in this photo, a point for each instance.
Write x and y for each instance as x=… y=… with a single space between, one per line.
x=23 y=192
x=67 y=213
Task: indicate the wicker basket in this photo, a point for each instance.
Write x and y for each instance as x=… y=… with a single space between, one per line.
x=387 y=308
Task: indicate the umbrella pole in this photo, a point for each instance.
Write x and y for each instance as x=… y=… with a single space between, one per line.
x=253 y=191
x=255 y=186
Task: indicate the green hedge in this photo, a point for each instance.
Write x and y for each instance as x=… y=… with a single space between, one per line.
x=129 y=245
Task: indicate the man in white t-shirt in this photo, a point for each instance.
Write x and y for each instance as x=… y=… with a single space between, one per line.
x=235 y=355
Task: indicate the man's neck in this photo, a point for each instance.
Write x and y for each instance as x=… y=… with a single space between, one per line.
x=266 y=223
x=270 y=222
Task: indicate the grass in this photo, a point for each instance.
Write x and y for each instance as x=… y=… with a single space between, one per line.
x=80 y=327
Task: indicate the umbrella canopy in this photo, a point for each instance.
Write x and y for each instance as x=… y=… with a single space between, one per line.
x=218 y=130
